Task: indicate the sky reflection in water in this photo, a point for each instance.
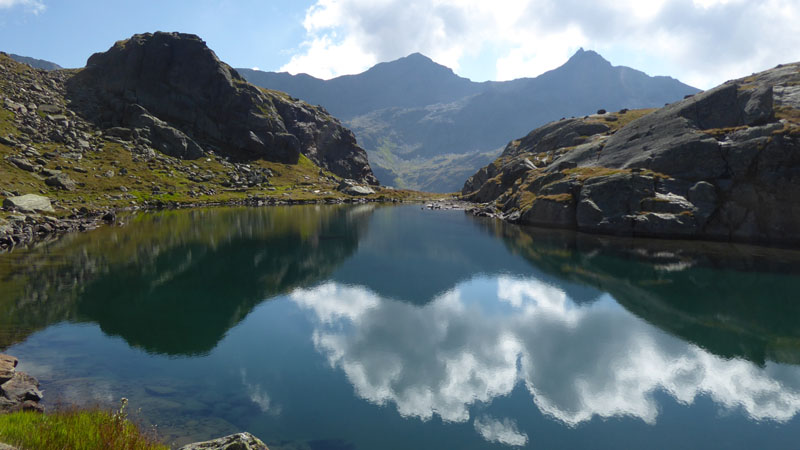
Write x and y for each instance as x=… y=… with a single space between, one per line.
x=577 y=362
x=394 y=327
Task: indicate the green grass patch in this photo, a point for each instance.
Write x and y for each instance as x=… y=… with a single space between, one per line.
x=7 y=123
x=623 y=119
x=560 y=198
x=720 y=133
x=75 y=430
x=585 y=173
x=788 y=113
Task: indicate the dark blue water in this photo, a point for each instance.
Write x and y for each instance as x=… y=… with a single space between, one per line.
x=395 y=327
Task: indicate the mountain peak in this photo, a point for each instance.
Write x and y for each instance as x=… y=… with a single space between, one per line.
x=587 y=57
x=414 y=60
x=417 y=56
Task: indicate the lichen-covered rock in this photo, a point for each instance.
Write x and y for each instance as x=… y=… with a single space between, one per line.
x=350 y=187
x=29 y=203
x=239 y=441
x=61 y=181
x=723 y=164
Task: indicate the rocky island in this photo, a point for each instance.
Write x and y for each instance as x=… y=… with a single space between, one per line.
x=720 y=165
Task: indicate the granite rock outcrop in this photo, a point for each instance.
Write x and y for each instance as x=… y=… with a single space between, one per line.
x=720 y=165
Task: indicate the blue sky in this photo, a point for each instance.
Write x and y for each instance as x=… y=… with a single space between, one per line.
x=243 y=33
x=701 y=42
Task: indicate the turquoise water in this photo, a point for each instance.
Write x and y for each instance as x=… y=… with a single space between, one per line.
x=395 y=327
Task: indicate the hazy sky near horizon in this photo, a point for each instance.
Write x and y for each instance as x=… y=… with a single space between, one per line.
x=700 y=42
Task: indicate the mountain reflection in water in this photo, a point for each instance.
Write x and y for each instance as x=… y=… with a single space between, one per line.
x=465 y=332
x=189 y=275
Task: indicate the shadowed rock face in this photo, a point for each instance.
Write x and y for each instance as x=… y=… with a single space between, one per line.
x=175 y=95
x=720 y=165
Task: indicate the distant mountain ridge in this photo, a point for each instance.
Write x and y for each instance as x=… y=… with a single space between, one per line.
x=427 y=128
x=397 y=83
x=35 y=63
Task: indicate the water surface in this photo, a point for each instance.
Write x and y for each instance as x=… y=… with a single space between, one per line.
x=369 y=327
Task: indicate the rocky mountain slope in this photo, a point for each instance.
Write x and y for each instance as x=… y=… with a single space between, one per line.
x=159 y=120
x=35 y=63
x=427 y=128
x=721 y=165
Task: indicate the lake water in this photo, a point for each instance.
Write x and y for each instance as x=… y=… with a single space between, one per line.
x=380 y=327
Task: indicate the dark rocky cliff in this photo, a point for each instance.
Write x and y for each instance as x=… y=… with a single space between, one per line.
x=171 y=92
x=722 y=165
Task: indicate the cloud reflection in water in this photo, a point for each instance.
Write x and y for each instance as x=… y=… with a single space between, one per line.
x=577 y=362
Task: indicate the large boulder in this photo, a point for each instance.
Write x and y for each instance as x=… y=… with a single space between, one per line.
x=29 y=203
x=61 y=181
x=350 y=187
x=179 y=98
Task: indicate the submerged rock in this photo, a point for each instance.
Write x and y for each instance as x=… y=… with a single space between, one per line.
x=239 y=441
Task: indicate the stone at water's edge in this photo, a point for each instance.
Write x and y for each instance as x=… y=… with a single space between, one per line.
x=7 y=367
x=29 y=203
x=18 y=390
x=351 y=187
x=239 y=441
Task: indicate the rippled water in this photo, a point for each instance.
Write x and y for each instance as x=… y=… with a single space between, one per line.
x=394 y=327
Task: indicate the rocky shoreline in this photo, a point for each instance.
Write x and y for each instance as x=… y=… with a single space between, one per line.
x=23 y=226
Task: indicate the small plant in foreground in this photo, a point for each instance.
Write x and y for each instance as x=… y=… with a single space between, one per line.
x=76 y=430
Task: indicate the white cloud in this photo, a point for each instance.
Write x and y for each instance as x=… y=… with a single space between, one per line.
x=259 y=396
x=699 y=41
x=34 y=6
x=504 y=432
x=578 y=362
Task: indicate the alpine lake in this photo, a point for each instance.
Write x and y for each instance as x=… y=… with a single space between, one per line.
x=397 y=327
